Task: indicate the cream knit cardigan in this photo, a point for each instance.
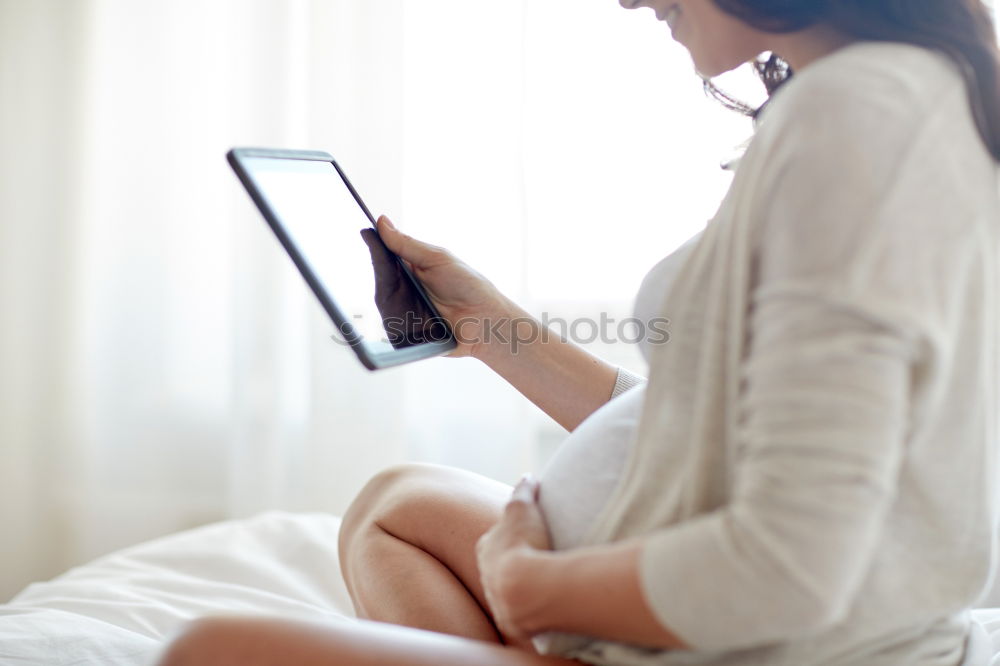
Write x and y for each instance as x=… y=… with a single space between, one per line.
x=813 y=475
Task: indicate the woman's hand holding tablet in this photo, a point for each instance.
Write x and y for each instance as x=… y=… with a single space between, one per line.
x=373 y=299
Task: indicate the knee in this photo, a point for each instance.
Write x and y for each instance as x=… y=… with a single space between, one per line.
x=386 y=494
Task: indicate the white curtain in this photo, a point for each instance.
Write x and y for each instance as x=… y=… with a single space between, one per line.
x=161 y=363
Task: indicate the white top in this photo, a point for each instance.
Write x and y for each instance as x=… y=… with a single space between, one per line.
x=813 y=470
x=583 y=472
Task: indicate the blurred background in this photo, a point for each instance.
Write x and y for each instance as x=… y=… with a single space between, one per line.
x=162 y=365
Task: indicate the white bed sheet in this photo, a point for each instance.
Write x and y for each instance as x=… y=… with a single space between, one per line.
x=120 y=609
x=984 y=643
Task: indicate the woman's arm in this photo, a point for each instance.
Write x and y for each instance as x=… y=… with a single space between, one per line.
x=565 y=381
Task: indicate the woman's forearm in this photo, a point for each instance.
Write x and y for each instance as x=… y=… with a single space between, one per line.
x=592 y=591
x=566 y=382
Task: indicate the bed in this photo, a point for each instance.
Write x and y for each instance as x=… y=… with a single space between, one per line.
x=120 y=609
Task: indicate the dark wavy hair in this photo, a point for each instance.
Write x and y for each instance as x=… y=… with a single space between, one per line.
x=961 y=29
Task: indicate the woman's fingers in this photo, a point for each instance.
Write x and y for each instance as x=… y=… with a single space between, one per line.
x=525 y=494
x=410 y=249
x=526 y=489
x=522 y=523
x=522 y=527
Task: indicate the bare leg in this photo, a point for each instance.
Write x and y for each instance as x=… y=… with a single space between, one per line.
x=258 y=642
x=407 y=549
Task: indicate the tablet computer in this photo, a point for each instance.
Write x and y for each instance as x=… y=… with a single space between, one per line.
x=377 y=305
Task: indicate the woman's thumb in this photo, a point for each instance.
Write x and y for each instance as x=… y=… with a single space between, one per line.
x=384 y=221
x=407 y=247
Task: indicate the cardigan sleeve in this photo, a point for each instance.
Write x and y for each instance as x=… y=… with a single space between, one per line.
x=854 y=263
x=820 y=444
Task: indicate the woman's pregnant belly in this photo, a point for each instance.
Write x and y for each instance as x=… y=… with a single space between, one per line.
x=583 y=472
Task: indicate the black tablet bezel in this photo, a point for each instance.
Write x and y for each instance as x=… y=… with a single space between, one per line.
x=371 y=360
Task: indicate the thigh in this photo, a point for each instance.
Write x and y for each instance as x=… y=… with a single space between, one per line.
x=265 y=642
x=441 y=510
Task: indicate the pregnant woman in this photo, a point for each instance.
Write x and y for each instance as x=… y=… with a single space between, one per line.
x=808 y=475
